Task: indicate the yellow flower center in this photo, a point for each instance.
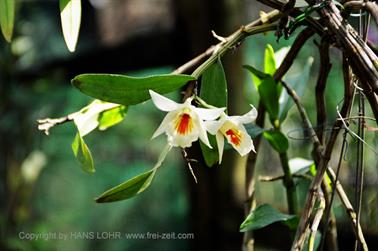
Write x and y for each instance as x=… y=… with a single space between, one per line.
x=184 y=124
x=234 y=136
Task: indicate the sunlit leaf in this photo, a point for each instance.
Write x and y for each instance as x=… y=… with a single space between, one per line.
x=133 y=186
x=214 y=92
x=7 y=13
x=269 y=60
x=111 y=117
x=70 y=15
x=299 y=83
x=82 y=154
x=257 y=75
x=277 y=140
x=263 y=216
x=127 y=90
x=87 y=119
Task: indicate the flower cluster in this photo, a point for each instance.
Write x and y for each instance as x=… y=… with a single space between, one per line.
x=185 y=123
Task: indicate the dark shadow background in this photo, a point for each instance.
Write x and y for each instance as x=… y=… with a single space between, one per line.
x=42 y=187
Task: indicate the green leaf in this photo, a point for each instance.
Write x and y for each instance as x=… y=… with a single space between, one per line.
x=70 y=16
x=87 y=119
x=262 y=216
x=129 y=188
x=211 y=156
x=277 y=140
x=257 y=75
x=111 y=117
x=7 y=13
x=82 y=154
x=269 y=97
x=269 y=60
x=127 y=90
x=214 y=92
x=133 y=186
x=299 y=83
x=214 y=85
x=254 y=130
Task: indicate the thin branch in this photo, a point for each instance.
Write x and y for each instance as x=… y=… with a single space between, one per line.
x=46 y=124
x=234 y=40
x=325 y=156
x=317 y=218
x=349 y=209
x=275 y=178
x=325 y=68
x=293 y=52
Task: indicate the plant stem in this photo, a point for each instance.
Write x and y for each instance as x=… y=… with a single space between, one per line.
x=232 y=41
x=288 y=181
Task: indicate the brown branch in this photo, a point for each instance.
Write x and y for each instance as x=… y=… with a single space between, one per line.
x=325 y=156
x=371 y=7
x=349 y=209
x=362 y=59
x=339 y=188
x=325 y=67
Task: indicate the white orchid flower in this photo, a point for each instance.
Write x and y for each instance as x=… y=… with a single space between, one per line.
x=232 y=128
x=184 y=123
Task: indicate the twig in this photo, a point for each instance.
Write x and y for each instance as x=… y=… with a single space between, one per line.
x=234 y=39
x=47 y=123
x=316 y=221
x=325 y=68
x=323 y=162
x=274 y=178
x=349 y=209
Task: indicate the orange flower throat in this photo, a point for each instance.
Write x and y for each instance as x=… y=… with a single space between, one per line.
x=235 y=136
x=184 y=124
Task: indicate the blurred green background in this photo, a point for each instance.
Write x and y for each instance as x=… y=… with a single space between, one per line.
x=44 y=190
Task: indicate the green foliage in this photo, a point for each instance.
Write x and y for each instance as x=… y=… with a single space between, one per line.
x=112 y=117
x=127 y=90
x=214 y=85
x=83 y=154
x=133 y=186
x=269 y=60
x=70 y=15
x=269 y=97
x=7 y=13
x=254 y=130
x=277 y=140
x=262 y=216
x=128 y=189
x=299 y=83
x=214 y=92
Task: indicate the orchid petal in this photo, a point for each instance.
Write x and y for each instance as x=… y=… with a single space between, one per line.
x=248 y=117
x=209 y=114
x=163 y=103
x=246 y=144
x=203 y=134
x=213 y=126
x=164 y=124
x=220 y=143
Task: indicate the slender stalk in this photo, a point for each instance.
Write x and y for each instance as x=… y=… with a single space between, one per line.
x=317 y=220
x=231 y=41
x=291 y=192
